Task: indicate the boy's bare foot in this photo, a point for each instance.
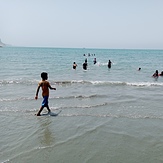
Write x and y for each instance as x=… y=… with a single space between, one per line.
x=38 y=114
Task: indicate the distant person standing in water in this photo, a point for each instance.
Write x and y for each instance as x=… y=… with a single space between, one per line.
x=94 y=61
x=161 y=73
x=85 y=65
x=74 y=66
x=155 y=75
x=109 y=64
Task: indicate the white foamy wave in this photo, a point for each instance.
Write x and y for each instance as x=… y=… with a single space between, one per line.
x=107 y=82
x=141 y=84
x=111 y=83
x=71 y=82
x=20 y=81
x=17 y=99
x=79 y=96
x=121 y=83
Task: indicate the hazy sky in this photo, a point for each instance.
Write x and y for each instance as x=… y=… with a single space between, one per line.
x=82 y=23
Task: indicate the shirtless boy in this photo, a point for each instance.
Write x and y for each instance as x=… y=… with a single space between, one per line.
x=45 y=85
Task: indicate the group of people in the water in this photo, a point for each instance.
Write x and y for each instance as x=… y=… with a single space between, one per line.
x=156 y=74
x=94 y=61
x=89 y=54
x=85 y=64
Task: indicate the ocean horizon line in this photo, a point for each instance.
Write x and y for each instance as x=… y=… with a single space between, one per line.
x=89 y=48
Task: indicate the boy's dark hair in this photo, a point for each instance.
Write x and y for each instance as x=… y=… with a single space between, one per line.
x=44 y=75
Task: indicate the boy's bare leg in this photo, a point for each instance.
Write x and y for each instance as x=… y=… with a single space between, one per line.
x=48 y=109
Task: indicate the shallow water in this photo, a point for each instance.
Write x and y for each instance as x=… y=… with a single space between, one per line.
x=107 y=115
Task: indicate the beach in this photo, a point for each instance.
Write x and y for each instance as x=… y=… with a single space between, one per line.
x=105 y=115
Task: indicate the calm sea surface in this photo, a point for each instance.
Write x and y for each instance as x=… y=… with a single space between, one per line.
x=106 y=115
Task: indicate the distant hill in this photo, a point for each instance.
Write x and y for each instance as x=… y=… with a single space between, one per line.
x=2 y=44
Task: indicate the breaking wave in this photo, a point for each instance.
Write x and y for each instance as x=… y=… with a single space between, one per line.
x=73 y=82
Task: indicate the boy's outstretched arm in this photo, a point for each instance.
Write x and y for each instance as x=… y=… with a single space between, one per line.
x=52 y=87
x=36 y=97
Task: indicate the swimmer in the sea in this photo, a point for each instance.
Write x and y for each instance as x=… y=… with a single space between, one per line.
x=109 y=64
x=94 y=61
x=74 y=66
x=155 y=75
x=85 y=65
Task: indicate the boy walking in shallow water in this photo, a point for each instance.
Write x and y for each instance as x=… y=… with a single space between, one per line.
x=45 y=85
